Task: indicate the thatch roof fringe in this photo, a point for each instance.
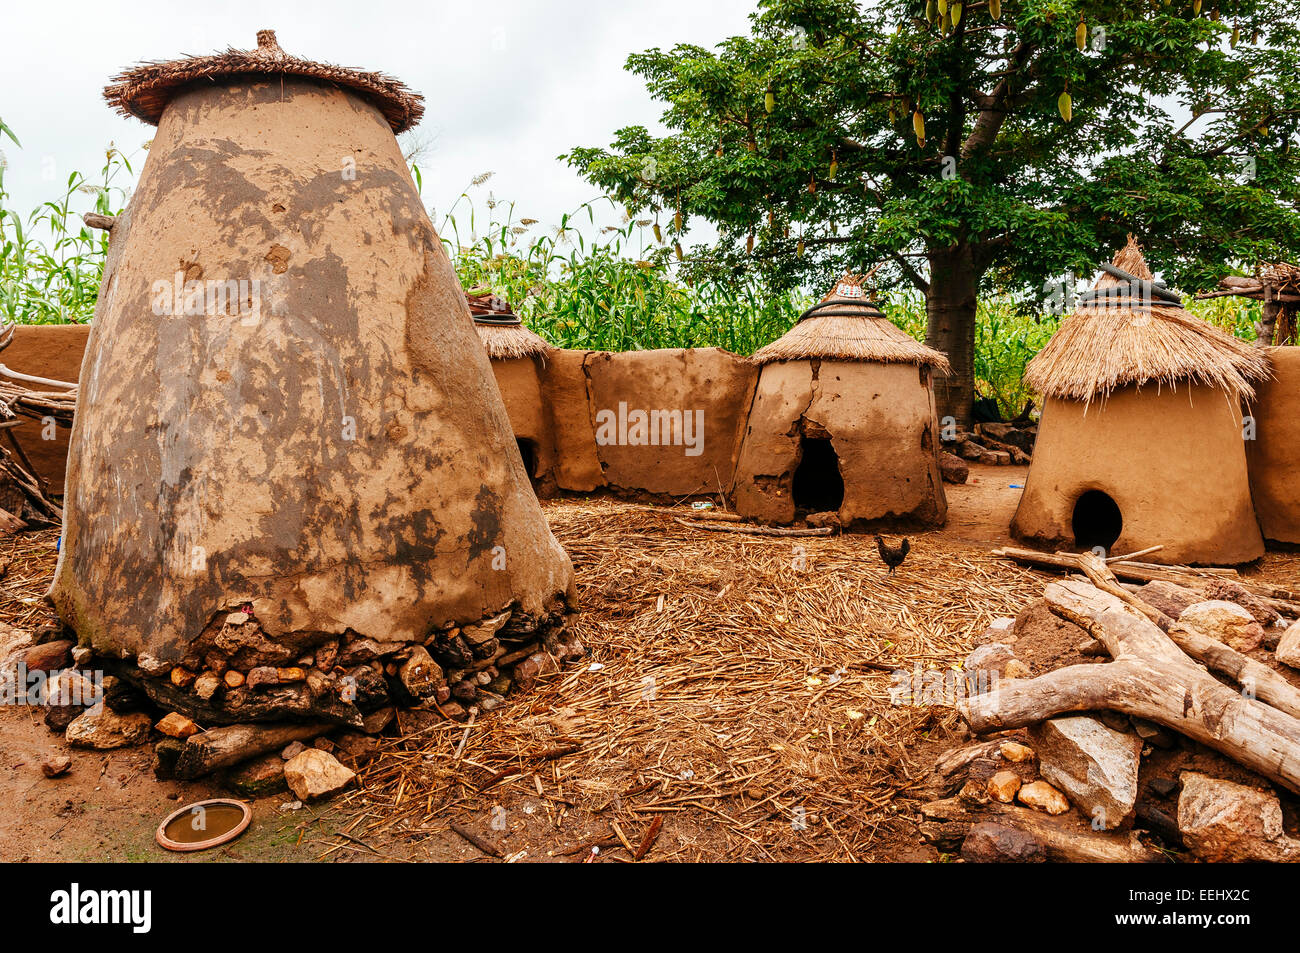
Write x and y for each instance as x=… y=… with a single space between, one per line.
x=1118 y=340
x=847 y=325
x=145 y=90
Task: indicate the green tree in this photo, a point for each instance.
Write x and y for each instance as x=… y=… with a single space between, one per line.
x=992 y=146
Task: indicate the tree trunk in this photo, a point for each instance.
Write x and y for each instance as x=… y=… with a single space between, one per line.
x=950 y=310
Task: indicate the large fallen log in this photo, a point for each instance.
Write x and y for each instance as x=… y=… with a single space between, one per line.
x=1284 y=601
x=1253 y=676
x=1149 y=678
x=217 y=748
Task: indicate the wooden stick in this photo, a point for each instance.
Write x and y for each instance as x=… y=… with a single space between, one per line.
x=486 y=846
x=758 y=530
x=1132 y=556
x=651 y=836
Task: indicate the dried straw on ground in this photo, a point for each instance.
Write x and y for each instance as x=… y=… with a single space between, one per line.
x=1116 y=342
x=144 y=91
x=846 y=325
x=502 y=332
x=738 y=688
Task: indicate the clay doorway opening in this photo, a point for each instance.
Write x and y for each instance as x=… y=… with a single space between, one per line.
x=818 y=485
x=1097 y=521
x=528 y=452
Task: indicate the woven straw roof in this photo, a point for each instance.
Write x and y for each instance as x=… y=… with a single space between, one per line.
x=145 y=90
x=502 y=331
x=847 y=325
x=1127 y=336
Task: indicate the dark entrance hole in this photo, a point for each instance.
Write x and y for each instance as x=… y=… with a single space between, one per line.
x=1097 y=521
x=817 y=485
x=528 y=451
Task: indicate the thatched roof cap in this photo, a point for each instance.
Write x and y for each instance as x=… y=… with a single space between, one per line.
x=502 y=331
x=1130 y=330
x=145 y=90
x=847 y=325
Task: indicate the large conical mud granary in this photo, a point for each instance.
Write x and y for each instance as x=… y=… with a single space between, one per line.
x=1141 y=441
x=289 y=447
x=843 y=420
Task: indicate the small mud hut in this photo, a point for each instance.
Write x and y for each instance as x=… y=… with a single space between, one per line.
x=843 y=420
x=1141 y=439
x=518 y=357
x=290 y=467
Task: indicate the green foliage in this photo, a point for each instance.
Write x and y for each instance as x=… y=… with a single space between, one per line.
x=51 y=263
x=836 y=163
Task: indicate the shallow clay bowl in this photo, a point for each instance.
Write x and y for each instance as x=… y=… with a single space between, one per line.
x=215 y=840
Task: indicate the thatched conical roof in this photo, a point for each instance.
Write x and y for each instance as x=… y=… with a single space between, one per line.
x=1128 y=330
x=847 y=325
x=503 y=332
x=145 y=90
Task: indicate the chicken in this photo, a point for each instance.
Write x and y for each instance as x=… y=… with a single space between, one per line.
x=893 y=556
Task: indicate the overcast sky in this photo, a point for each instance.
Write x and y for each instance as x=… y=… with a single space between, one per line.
x=508 y=84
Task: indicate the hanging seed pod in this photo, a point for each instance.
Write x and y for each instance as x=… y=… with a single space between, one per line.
x=659 y=234
x=893 y=116
x=812 y=185
x=677 y=220
x=835 y=167
x=954 y=13
x=798 y=249
x=1196 y=8
x=749 y=244
x=1065 y=105
x=1235 y=38
x=718 y=151
x=677 y=248
x=1081 y=36
x=769 y=101
x=1214 y=15
x=995 y=9
x=771 y=219
x=931 y=11
x=918 y=126
x=943 y=7
x=751 y=145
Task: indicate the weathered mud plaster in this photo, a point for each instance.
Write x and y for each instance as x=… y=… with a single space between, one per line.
x=695 y=401
x=1174 y=461
x=880 y=419
x=1273 y=456
x=53 y=351
x=339 y=461
x=520 y=381
x=565 y=390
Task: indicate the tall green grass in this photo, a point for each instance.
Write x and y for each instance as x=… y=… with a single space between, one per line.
x=611 y=288
x=50 y=262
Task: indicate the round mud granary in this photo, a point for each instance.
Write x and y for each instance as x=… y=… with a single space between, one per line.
x=843 y=420
x=1141 y=441
x=293 y=485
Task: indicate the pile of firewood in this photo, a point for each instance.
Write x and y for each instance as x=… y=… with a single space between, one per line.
x=1088 y=724
x=52 y=403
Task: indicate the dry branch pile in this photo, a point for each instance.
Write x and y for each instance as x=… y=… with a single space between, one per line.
x=1197 y=677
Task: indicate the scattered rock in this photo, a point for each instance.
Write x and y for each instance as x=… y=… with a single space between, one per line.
x=420 y=675
x=377 y=720
x=49 y=656
x=485 y=630
x=1017 y=669
x=263 y=776
x=1015 y=752
x=1044 y=797
x=102 y=728
x=1153 y=734
x=314 y=774
x=990 y=660
x=233 y=678
x=1227 y=622
x=176 y=725
x=1229 y=591
x=287 y=676
x=56 y=765
x=292 y=750
x=82 y=654
x=153 y=667
x=1170 y=598
x=818 y=520
x=989 y=843
x=1223 y=821
x=67 y=695
x=355 y=749
x=953 y=468
x=1163 y=786
x=1288 y=647
x=1096 y=767
x=182 y=677
x=207 y=685
x=1003 y=786
x=263 y=676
